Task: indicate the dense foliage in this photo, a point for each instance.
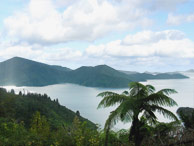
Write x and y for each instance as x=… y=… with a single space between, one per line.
x=186 y=114
x=23 y=72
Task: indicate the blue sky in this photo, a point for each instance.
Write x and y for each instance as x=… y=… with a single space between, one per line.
x=136 y=35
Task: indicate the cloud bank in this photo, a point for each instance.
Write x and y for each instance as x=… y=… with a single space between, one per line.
x=43 y=22
x=41 y=30
x=143 y=49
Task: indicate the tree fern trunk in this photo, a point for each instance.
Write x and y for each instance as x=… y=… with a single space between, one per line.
x=134 y=135
x=106 y=136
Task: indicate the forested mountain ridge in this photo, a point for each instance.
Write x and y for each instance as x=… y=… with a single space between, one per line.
x=23 y=72
x=99 y=76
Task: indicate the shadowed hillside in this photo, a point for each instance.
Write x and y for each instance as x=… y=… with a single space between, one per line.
x=23 y=72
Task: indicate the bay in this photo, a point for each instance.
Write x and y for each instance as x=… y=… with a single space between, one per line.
x=84 y=99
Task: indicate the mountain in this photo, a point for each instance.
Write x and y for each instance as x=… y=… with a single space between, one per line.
x=128 y=72
x=153 y=76
x=191 y=70
x=99 y=76
x=61 y=68
x=169 y=76
x=23 y=72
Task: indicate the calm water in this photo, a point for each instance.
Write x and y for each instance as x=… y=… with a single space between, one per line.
x=84 y=99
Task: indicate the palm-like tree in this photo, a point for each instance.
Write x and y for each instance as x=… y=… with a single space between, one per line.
x=141 y=100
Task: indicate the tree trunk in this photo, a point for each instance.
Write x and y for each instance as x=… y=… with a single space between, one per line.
x=134 y=134
x=106 y=136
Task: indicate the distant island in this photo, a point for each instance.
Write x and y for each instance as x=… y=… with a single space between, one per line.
x=23 y=72
x=191 y=70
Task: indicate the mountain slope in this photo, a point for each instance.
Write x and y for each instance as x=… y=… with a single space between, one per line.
x=99 y=76
x=61 y=68
x=149 y=76
x=22 y=107
x=23 y=72
x=191 y=70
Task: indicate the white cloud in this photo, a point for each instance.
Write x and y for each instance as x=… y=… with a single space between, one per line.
x=179 y=19
x=42 y=22
x=84 y=20
x=8 y=51
x=146 y=37
x=170 y=43
x=39 y=53
x=146 y=50
x=62 y=54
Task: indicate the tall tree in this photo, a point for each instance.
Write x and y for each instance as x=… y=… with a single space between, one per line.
x=139 y=100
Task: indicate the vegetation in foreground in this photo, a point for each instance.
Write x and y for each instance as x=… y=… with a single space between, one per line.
x=140 y=99
x=36 y=120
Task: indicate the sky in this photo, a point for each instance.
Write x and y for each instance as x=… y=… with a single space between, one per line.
x=132 y=35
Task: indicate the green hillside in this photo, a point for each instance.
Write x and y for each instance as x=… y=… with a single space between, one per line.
x=22 y=107
x=99 y=76
x=147 y=76
x=23 y=72
x=36 y=120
